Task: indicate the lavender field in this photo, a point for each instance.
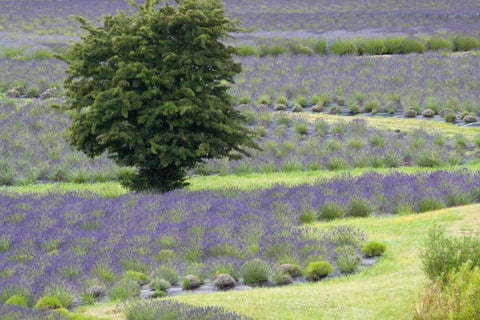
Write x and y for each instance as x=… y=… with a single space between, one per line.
x=248 y=251
x=77 y=241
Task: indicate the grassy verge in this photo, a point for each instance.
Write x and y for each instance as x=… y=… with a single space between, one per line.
x=243 y=182
x=407 y=125
x=387 y=290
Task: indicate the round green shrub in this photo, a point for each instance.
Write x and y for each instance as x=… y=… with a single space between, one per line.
x=450 y=118
x=342 y=47
x=16 y=300
x=48 y=302
x=330 y=210
x=430 y=204
x=124 y=289
x=320 y=47
x=413 y=45
x=275 y=49
x=158 y=294
x=393 y=45
x=466 y=43
x=359 y=208
x=282 y=100
x=158 y=284
x=245 y=50
x=293 y=270
x=440 y=43
x=255 y=271
x=300 y=100
x=428 y=113
x=347 y=259
x=138 y=277
x=300 y=128
x=373 y=249
x=297 y=48
x=372 y=46
x=318 y=270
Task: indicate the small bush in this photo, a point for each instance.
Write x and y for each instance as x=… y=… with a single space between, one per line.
x=124 y=289
x=308 y=216
x=458 y=298
x=264 y=99
x=245 y=50
x=430 y=204
x=300 y=128
x=442 y=254
x=428 y=113
x=413 y=45
x=273 y=50
x=359 y=208
x=330 y=210
x=282 y=100
x=244 y=100
x=440 y=43
x=297 y=48
x=48 y=302
x=293 y=270
x=321 y=99
x=17 y=300
x=393 y=45
x=342 y=47
x=318 y=270
x=450 y=118
x=138 y=277
x=158 y=284
x=320 y=47
x=347 y=259
x=158 y=294
x=377 y=140
x=371 y=106
x=301 y=101
x=285 y=121
x=466 y=43
x=373 y=46
x=373 y=249
x=255 y=271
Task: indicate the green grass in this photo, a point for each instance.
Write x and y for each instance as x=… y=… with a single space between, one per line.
x=387 y=290
x=244 y=182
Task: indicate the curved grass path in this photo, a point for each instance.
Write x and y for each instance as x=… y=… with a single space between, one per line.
x=387 y=290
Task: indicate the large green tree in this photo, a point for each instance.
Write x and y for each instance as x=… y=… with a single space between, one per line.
x=151 y=89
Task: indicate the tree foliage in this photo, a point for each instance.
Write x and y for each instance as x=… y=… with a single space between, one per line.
x=151 y=90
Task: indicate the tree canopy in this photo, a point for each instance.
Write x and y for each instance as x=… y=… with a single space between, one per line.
x=151 y=89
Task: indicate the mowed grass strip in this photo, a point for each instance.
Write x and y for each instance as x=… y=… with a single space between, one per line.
x=387 y=290
x=251 y=181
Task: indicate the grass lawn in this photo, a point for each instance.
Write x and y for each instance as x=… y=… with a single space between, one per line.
x=387 y=290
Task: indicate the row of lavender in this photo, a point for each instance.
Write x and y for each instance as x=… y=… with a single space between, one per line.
x=430 y=80
x=34 y=148
x=57 y=17
x=293 y=144
x=63 y=244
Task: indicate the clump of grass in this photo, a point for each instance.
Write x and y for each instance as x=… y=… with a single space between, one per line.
x=318 y=270
x=413 y=45
x=430 y=204
x=49 y=303
x=466 y=43
x=372 y=46
x=245 y=50
x=124 y=289
x=359 y=208
x=393 y=45
x=373 y=249
x=330 y=210
x=440 y=43
x=347 y=259
x=320 y=47
x=255 y=271
x=321 y=99
x=343 y=47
